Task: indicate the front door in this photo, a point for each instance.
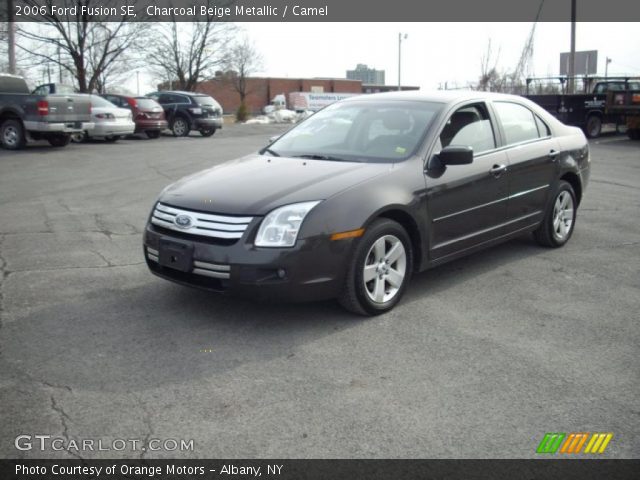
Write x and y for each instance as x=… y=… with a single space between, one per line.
x=467 y=203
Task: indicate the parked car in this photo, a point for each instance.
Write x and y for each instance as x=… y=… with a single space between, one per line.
x=111 y=122
x=148 y=114
x=355 y=199
x=26 y=116
x=186 y=111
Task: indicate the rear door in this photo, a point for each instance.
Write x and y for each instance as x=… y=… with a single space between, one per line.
x=467 y=203
x=533 y=154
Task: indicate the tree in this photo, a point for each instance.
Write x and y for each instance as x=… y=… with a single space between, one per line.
x=186 y=53
x=83 y=45
x=244 y=60
x=490 y=79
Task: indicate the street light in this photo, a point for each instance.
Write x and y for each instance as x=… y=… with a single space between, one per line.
x=606 y=67
x=401 y=36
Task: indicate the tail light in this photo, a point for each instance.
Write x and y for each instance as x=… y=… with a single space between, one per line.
x=132 y=102
x=43 y=108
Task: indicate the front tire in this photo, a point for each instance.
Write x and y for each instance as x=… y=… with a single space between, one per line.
x=153 y=133
x=112 y=138
x=560 y=218
x=12 y=135
x=380 y=269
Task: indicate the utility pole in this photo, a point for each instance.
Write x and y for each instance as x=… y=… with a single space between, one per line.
x=11 y=37
x=572 y=53
x=400 y=37
x=138 y=82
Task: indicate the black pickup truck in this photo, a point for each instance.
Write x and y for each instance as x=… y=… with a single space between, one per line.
x=586 y=109
x=39 y=117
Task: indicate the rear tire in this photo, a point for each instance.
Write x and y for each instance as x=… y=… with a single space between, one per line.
x=207 y=132
x=153 y=133
x=79 y=137
x=59 y=140
x=560 y=218
x=112 y=139
x=634 y=133
x=594 y=126
x=180 y=127
x=12 y=134
x=380 y=269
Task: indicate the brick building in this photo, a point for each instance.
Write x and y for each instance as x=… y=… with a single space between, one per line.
x=261 y=90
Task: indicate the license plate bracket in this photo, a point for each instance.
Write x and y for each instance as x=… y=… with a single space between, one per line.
x=176 y=255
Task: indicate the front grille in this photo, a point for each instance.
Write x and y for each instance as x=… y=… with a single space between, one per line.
x=197 y=223
x=206 y=269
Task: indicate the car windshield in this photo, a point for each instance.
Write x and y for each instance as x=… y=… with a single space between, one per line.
x=206 y=101
x=359 y=131
x=99 y=102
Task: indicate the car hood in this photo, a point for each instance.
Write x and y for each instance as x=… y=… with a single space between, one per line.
x=256 y=184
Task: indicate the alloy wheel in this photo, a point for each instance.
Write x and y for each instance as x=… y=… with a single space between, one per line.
x=11 y=135
x=385 y=267
x=563 y=211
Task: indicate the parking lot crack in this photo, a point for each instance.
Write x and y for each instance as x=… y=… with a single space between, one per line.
x=65 y=426
x=146 y=419
x=3 y=275
x=103 y=258
x=159 y=172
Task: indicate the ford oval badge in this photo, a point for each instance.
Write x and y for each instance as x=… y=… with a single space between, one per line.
x=183 y=221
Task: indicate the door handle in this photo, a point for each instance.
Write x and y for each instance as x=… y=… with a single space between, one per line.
x=498 y=170
x=553 y=154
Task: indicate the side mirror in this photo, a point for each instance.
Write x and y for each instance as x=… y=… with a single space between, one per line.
x=453 y=155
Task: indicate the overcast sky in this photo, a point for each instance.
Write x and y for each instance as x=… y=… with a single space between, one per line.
x=433 y=53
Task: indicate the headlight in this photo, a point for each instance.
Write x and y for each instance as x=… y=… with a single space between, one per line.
x=281 y=226
x=196 y=111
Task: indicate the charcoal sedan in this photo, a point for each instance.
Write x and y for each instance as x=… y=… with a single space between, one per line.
x=354 y=200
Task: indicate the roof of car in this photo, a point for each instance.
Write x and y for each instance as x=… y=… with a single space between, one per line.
x=182 y=92
x=440 y=96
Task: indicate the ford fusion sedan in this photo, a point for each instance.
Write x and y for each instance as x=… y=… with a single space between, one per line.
x=353 y=201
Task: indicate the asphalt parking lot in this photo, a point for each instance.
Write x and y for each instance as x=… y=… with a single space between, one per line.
x=481 y=359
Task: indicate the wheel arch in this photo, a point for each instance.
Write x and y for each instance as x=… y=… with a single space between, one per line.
x=407 y=222
x=574 y=180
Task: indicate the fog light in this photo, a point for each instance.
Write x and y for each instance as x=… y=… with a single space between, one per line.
x=282 y=273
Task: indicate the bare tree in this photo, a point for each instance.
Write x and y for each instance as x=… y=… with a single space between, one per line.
x=243 y=61
x=82 y=45
x=490 y=79
x=186 y=53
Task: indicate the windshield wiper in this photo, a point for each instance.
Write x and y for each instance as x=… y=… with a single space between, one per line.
x=268 y=150
x=315 y=156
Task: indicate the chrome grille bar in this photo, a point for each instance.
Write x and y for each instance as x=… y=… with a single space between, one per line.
x=206 y=224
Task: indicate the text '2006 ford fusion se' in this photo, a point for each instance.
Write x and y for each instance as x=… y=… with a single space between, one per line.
x=351 y=202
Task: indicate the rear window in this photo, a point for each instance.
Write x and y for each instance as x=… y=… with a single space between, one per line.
x=206 y=100
x=99 y=102
x=146 y=102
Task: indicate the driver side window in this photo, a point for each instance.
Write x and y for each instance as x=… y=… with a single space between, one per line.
x=469 y=126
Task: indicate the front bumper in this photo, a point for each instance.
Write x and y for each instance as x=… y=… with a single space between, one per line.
x=312 y=270
x=106 y=129
x=211 y=122
x=58 y=127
